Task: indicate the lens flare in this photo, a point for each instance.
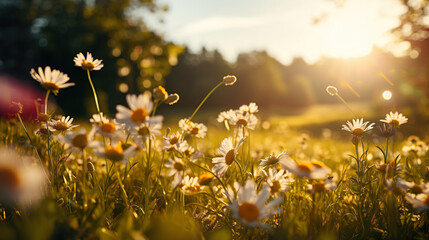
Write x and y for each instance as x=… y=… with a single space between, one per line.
x=387 y=95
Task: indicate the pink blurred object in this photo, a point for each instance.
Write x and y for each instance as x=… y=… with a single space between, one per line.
x=14 y=90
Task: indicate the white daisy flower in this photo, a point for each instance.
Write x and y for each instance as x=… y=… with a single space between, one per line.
x=252 y=108
x=79 y=140
x=172 y=142
x=64 y=124
x=177 y=168
x=87 y=63
x=278 y=181
x=358 y=128
x=229 y=154
x=110 y=128
x=246 y=120
x=198 y=130
x=22 y=182
x=190 y=185
x=419 y=202
x=148 y=130
x=249 y=206
x=51 y=80
x=395 y=119
x=225 y=116
x=98 y=118
x=312 y=170
x=116 y=153
x=140 y=108
x=271 y=160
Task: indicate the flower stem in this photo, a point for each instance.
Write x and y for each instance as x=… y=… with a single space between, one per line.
x=345 y=103
x=95 y=94
x=121 y=185
x=202 y=102
x=46 y=101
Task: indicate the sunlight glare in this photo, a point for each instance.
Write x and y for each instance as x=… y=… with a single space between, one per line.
x=387 y=95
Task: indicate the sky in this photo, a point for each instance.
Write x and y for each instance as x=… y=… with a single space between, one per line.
x=284 y=28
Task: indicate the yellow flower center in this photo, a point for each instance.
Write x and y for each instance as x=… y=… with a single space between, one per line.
x=50 y=86
x=143 y=131
x=80 y=141
x=173 y=140
x=139 y=115
x=108 y=127
x=248 y=211
x=229 y=157
x=358 y=131
x=307 y=167
x=317 y=163
x=115 y=153
x=272 y=159
x=195 y=130
x=179 y=166
x=9 y=178
x=192 y=188
x=318 y=186
x=87 y=65
x=61 y=126
x=242 y=122
x=275 y=187
x=205 y=178
x=394 y=122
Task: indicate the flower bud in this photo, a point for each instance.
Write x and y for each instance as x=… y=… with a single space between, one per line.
x=355 y=140
x=229 y=80
x=172 y=99
x=332 y=90
x=159 y=93
x=91 y=167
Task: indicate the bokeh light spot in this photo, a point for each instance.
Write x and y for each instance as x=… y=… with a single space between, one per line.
x=387 y=95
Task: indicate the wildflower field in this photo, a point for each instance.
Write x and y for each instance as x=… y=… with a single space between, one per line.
x=231 y=175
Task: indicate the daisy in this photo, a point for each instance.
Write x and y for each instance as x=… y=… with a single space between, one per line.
x=51 y=80
x=229 y=154
x=323 y=185
x=249 y=206
x=271 y=160
x=278 y=181
x=79 y=140
x=64 y=124
x=252 y=108
x=147 y=130
x=177 y=168
x=172 y=142
x=312 y=170
x=198 y=130
x=358 y=128
x=190 y=185
x=116 y=153
x=110 y=128
x=98 y=118
x=87 y=63
x=139 y=111
x=395 y=119
x=245 y=120
x=22 y=182
x=419 y=202
x=225 y=116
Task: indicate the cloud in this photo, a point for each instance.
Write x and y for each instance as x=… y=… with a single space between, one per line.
x=214 y=24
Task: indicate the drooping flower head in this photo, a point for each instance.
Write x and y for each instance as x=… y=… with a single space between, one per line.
x=51 y=80
x=87 y=63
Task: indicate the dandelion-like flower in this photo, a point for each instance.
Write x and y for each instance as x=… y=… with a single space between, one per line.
x=139 y=111
x=249 y=207
x=358 y=128
x=395 y=119
x=312 y=170
x=64 y=124
x=87 y=63
x=198 y=130
x=229 y=154
x=22 y=182
x=51 y=80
